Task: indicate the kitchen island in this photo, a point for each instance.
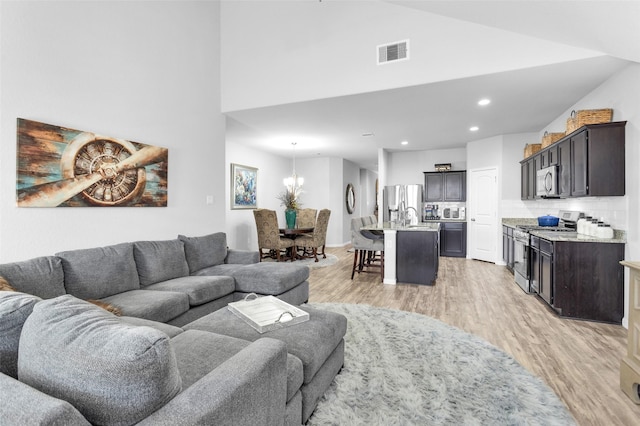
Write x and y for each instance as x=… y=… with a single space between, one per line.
x=411 y=252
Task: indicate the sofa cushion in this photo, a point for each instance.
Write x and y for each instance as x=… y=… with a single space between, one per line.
x=199 y=289
x=112 y=372
x=15 y=308
x=96 y=273
x=152 y=305
x=24 y=405
x=217 y=270
x=199 y=352
x=40 y=276
x=169 y=330
x=208 y=250
x=158 y=261
x=269 y=278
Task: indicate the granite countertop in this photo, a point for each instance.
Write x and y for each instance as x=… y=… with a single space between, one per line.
x=619 y=236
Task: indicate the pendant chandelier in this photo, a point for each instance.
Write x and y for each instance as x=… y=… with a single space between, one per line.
x=293 y=182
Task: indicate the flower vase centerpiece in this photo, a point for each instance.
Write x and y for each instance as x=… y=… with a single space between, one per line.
x=289 y=199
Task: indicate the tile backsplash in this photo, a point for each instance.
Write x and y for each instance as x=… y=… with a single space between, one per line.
x=612 y=209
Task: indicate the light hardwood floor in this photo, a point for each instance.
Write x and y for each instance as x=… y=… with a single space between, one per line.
x=579 y=360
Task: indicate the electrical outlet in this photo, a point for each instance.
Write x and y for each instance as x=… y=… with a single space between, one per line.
x=209 y=199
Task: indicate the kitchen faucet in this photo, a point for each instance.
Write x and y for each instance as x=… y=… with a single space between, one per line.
x=403 y=213
x=406 y=216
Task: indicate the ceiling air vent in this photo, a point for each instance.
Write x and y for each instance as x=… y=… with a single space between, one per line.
x=396 y=51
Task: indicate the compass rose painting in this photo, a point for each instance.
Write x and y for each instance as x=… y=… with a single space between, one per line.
x=61 y=167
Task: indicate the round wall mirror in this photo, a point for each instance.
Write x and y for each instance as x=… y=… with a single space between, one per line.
x=350 y=199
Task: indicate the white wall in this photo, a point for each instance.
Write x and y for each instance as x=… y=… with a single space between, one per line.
x=351 y=174
x=327 y=49
x=367 y=197
x=324 y=178
x=408 y=167
x=272 y=169
x=143 y=71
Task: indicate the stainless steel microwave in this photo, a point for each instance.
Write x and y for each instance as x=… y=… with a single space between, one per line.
x=547 y=182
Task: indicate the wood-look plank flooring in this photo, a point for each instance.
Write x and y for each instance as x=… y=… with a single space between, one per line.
x=579 y=360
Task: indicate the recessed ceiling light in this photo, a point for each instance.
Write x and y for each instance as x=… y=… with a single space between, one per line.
x=474 y=128
x=404 y=143
x=483 y=102
x=367 y=134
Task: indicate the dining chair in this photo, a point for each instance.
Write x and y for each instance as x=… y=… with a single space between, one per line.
x=269 y=238
x=318 y=238
x=368 y=247
x=306 y=218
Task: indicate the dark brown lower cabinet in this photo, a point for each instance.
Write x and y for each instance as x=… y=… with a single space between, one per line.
x=453 y=239
x=417 y=257
x=581 y=280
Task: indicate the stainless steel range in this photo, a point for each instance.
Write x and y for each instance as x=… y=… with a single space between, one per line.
x=521 y=258
x=521 y=268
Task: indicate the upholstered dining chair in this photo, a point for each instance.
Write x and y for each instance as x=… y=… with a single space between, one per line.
x=367 y=246
x=269 y=238
x=306 y=218
x=318 y=238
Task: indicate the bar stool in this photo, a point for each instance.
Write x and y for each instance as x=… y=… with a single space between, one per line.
x=366 y=245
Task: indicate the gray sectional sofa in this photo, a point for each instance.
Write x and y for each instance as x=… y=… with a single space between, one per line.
x=67 y=361
x=171 y=281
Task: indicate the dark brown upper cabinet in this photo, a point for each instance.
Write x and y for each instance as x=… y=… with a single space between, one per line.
x=445 y=186
x=590 y=161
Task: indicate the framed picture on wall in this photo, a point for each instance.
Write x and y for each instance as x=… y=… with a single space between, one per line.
x=63 y=167
x=244 y=181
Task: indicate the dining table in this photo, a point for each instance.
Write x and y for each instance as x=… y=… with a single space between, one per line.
x=294 y=233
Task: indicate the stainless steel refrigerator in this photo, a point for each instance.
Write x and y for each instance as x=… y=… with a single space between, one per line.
x=399 y=199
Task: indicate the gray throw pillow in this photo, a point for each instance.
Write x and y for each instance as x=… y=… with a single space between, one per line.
x=203 y=252
x=114 y=373
x=15 y=308
x=160 y=261
x=96 y=273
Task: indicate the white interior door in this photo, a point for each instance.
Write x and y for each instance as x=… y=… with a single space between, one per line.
x=483 y=214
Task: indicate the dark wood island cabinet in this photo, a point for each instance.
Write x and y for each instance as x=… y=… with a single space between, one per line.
x=417 y=257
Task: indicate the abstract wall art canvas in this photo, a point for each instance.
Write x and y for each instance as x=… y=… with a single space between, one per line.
x=62 y=167
x=244 y=181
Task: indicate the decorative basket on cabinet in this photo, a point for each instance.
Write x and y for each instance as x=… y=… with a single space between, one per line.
x=531 y=148
x=550 y=138
x=588 y=116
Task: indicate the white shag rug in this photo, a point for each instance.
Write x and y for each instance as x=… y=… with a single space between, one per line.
x=311 y=263
x=403 y=368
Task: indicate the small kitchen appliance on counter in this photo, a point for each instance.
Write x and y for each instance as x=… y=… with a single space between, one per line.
x=431 y=212
x=454 y=212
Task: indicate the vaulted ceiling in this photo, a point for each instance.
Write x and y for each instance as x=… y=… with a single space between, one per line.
x=438 y=114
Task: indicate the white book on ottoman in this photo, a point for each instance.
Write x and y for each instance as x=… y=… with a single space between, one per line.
x=267 y=313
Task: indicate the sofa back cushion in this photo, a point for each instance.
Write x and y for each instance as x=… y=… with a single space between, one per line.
x=158 y=261
x=114 y=373
x=15 y=308
x=203 y=252
x=40 y=276
x=100 y=272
